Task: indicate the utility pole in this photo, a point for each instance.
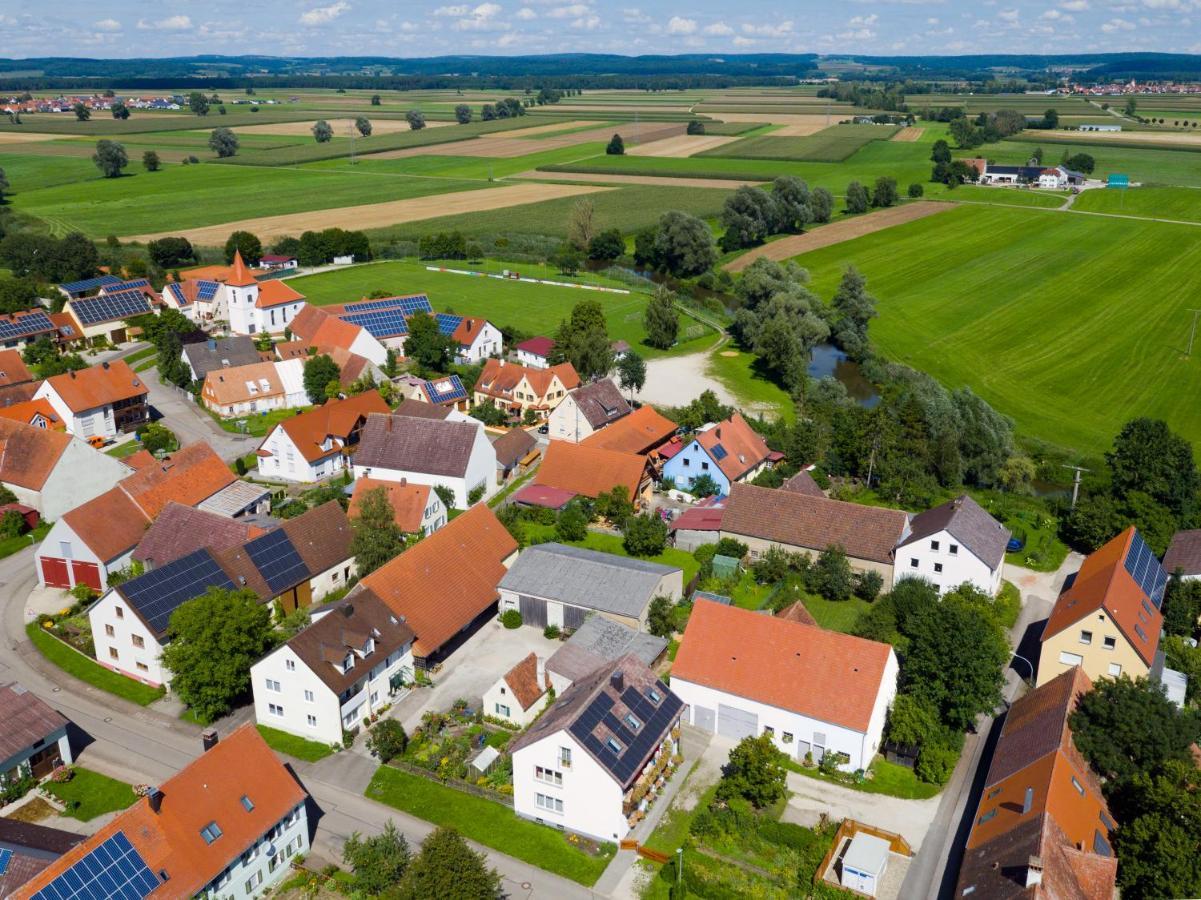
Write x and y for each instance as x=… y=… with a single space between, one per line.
x=1076 y=481
x=1192 y=332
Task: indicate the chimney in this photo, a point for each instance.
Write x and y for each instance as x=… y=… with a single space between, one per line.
x=209 y=739
x=1034 y=871
x=105 y=365
x=388 y=425
x=717 y=431
x=1028 y=801
x=155 y=796
x=618 y=680
x=404 y=481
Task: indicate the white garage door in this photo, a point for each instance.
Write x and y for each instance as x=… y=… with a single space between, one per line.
x=736 y=723
x=704 y=718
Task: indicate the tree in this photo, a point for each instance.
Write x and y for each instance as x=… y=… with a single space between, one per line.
x=821 y=203
x=661 y=318
x=4 y=185
x=885 y=192
x=754 y=773
x=487 y=112
x=1157 y=838
x=1128 y=727
x=198 y=103
x=854 y=308
x=82 y=113
x=659 y=619
x=614 y=505
x=463 y=114
x=322 y=131
x=1005 y=122
x=684 y=244
x=247 y=244
x=319 y=371
x=376 y=537
x=857 y=199
x=644 y=535
x=17 y=294
x=581 y=224
x=120 y=110
x=567 y=258
x=1081 y=162
x=214 y=639
x=1131 y=107
x=911 y=720
x=223 y=142
x=748 y=216
x=416 y=119
x=156 y=438
x=448 y=869
x=830 y=576
x=704 y=485
x=151 y=162
x=1051 y=118
x=110 y=158
x=941 y=152
x=631 y=371
x=792 y=201
x=965 y=134
x=583 y=340
x=427 y=345
x=1182 y=605
x=379 y=863
x=572 y=524
x=1148 y=456
x=916 y=191
x=616 y=147
x=607 y=245
x=363 y=126
x=696 y=126
x=387 y=740
x=169 y=252
x=375 y=100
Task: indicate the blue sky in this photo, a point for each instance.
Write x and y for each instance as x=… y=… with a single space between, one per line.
x=412 y=28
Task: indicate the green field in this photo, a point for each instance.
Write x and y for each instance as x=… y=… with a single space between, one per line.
x=536 y=309
x=834 y=144
x=1148 y=165
x=1182 y=204
x=1070 y=324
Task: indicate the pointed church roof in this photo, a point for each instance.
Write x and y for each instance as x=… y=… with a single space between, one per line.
x=240 y=276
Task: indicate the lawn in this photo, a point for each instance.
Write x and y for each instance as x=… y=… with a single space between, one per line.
x=536 y=309
x=290 y=744
x=1070 y=324
x=746 y=381
x=129 y=448
x=1181 y=203
x=89 y=794
x=76 y=664
x=11 y=545
x=487 y=823
x=611 y=543
x=257 y=425
x=833 y=144
x=887 y=778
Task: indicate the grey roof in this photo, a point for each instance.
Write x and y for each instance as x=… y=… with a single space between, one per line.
x=236 y=350
x=587 y=578
x=419 y=409
x=234 y=498
x=967 y=521
x=802 y=483
x=26 y=719
x=601 y=640
x=512 y=447
x=600 y=402
x=867 y=853
x=408 y=444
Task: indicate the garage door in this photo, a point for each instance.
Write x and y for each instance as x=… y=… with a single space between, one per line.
x=55 y=572
x=86 y=573
x=533 y=611
x=704 y=718
x=736 y=723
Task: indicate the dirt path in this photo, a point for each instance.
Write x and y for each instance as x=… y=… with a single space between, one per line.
x=682 y=146
x=597 y=178
x=908 y=135
x=846 y=230
x=379 y=215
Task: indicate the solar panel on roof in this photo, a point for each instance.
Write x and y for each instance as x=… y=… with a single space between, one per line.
x=447 y=323
x=407 y=305
x=637 y=744
x=132 y=285
x=387 y=323
x=719 y=452
x=445 y=390
x=114 y=868
x=89 y=284
x=161 y=591
x=5 y=857
x=277 y=560
x=110 y=307
x=1144 y=568
x=207 y=290
x=23 y=326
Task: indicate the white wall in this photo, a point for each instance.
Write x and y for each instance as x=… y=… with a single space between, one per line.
x=481 y=469
x=86 y=423
x=488 y=342
x=288 y=838
x=525 y=358
x=275 y=319
x=331 y=579
x=591 y=798
x=52 y=547
x=80 y=475
x=956 y=568
x=288 y=463
x=141 y=663
x=567 y=423
x=501 y=694
x=366 y=345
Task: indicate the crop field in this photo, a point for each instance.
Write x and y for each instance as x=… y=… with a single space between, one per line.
x=1030 y=104
x=682 y=145
x=1180 y=166
x=536 y=309
x=1071 y=324
x=1181 y=204
x=833 y=144
x=1190 y=140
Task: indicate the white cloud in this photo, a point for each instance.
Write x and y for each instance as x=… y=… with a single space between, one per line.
x=677 y=25
x=454 y=11
x=575 y=10
x=1008 y=15
x=482 y=18
x=1054 y=15
x=782 y=29
x=1115 y=25
x=507 y=40
x=933 y=20
x=741 y=41
x=861 y=34
x=863 y=21
x=323 y=14
x=719 y=28
x=107 y=25
x=1074 y=5
x=171 y=23
x=586 y=23
x=526 y=14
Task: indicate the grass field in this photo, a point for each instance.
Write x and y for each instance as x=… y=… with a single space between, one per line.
x=292 y=745
x=1183 y=204
x=89 y=794
x=1070 y=324
x=833 y=144
x=1148 y=165
x=79 y=666
x=532 y=308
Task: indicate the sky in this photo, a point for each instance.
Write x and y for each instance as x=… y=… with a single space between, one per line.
x=133 y=28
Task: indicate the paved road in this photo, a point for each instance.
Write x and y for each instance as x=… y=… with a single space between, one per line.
x=191 y=424
x=144 y=746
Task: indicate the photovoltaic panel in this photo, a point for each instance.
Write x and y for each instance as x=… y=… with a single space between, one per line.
x=113 y=869
x=407 y=305
x=207 y=290
x=445 y=390
x=1144 y=568
x=132 y=285
x=110 y=307
x=636 y=744
x=5 y=858
x=447 y=323
x=161 y=591
x=22 y=326
x=380 y=324
x=719 y=452
x=277 y=560
x=90 y=284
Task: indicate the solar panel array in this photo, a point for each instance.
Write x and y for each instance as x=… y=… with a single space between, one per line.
x=23 y=326
x=207 y=290
x=445 y=390
x=114 y=869
x=277 y=560
x=637 y=745
x=89 y=284
x=161 y=591
x=719 y=452
x=379 y=324
x=132 y=285
x=407 y=305
x=447 y=322
x=110 y=307
x=5 y=858
x=1145 y=569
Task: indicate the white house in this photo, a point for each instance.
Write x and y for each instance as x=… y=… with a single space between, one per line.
x=535 y=352
x=586 y=410
x=314 y=445
x=416 y=508
x=429 y=451
x=597 y=759
x=813 y=691
x=354 y=658
x=520 y=694
x=256 y=388
x=101 y=401
x=255 y=307
x=954 y=543
x=477 y=339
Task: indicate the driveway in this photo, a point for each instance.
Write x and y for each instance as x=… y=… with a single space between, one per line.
x=811 y=798
x=191 y=424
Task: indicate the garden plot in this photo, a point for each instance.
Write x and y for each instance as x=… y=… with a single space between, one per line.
x=909 y=134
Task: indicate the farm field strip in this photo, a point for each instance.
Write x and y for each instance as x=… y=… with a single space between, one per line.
x=910 y=134
x=681 y=146
x=552 y=128
x=340 y=126
x=535 y=175
x=1162 y=138
x=498 y=147
x=834 y=144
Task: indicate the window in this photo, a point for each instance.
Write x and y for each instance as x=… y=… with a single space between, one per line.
x=109 y=631
x=119 y=611
x=687 y=462
x=1138 y=629
x=275 y=709
x=632 y=722
x=308 y=696
x=250 y=855
x=502 y=710
x=1110 y=643
x=550 y=804
x=769 y=731
x=112 y=653
x=953 y=549
x=1107 y=822
x=988 y=815
x=705 y=466
x=993 y=793
x=1070 y=659
x=938 y=567
x=257 y=878
x=1115 y=669
x=1078 y=786
x=934 y=546
x=565 y=757
x=550 y=776
x=142 y=667
x=273 y=685
x=247 y=804
x=912 y=563
x=654 y=695
x=614 y=745
x=1086 y=637
x=290 y=665
x=210 y=832
x=138 y=641
x=312 y=720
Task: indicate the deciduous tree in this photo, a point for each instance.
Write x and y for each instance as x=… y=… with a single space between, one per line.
x=631 y=371
x=447 y=868
x=748 y=216
x=427 y=345
x=644 y=535
x=120 y=110
x=151 y=162
x=82 y=113
x=198 y=103
x=857 y=199
x=885 y=192
x=581 y=224
x=363 y=126
x=246 y=243
x=661 y=319
x=616 y=147
x=754 y=773
x=821 y=203
x=319 y=371
x=416 y=119
x=379 y=862
x=684 y=244
x=322 y=131
x=583 y=340
x=463 y=114
x=110 y=158
x=854 y=308
x=1148 y=456
x=169 y=252
x=223 y=142
x=607 y=245
x=377 y=538
x=791 y=197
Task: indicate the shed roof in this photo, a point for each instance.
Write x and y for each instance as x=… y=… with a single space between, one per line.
x=1184 y=553
x=28 y=454
x=734 y=446
x=522 y=681
x=512 y=447
x=180 y=530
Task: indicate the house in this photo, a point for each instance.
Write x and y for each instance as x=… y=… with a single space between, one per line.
x=1042 y=827
x=73 y=289
x=105 y=316
x=698 y=525
x=457 y=455
x=589 y=472
x=762 y=518
x=203 y=300
x=317 y=444
x=51 y=471
x=587 y=410
x=33 y=741
x=97 y=537
x=356 y=332
x=13 y=369
x=592 y=763
x=643 y=431
x=444 y=586
x=101 y=401
x=255 y=389
x=476 y=339
x=1183 y=556
x=802 y=483
x=278 y=262
x=38 y=413
x=28 y=849
x=535 y=352
x=600 y=640
x=554 y=584
x=21 y=328
x=226 y=825
x=180 y=530
x=256 y=307
x=291 y=567
x=1108 y=621
x=515 y=449
x=416 y=508
x=353 y=659
x=225 y=353
x=520 y=694
x=955 y=543
x=514 y=388
x=743 y=674
x=728 y=451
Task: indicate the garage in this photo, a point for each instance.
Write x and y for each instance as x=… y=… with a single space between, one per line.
x=736 y=723
x=55 y=572
x=86 y=573
x=704 y=718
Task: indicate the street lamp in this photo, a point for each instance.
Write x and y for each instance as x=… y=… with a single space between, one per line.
x=1028 y=663
x=679 y=866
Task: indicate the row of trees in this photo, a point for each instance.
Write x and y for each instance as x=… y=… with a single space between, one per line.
x=751 y=214
x=445 y=867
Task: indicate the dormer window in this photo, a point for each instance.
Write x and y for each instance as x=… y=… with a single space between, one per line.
x=369 y=646
x=348 y=662
x=614 y=745
x=247 y=804
x=632 y=722
x=654 y=696
x=210 y=832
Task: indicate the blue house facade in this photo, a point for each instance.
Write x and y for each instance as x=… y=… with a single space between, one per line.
x=691 y=463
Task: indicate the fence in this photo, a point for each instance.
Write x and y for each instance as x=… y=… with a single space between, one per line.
x=458 y=784
x=848 y=829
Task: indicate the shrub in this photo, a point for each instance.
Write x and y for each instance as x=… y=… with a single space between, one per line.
x=510 y=618
x=387 y=740
x=868 y=585
x=937 y=758
x=916 y=191
x=551 y=632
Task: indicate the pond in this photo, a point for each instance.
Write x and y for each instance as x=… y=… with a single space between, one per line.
x=827 y=361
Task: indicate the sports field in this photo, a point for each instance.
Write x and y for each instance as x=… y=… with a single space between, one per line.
x=1071 y=324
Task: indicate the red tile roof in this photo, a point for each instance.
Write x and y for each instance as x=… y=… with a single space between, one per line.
x=239 y=275
x=538 y=346
x=98 y=385
x=499 y=378
x=13 y=369
x=180 y=530
x=28 y=454
x=31 y=410
x=408 y=501
x=546 y=497
x=744 y=447
x=335 y=419
x=468 y=329
x=639 y=432
x=590 y=471
x=705 y=518
x=274 y=292
x=826 y=675
x=522 y=680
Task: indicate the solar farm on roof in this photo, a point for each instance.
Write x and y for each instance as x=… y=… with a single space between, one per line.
x=626 y=745
x=445 y=390
x=407 y=305
x=89 y=284
x=277 y=560
x=448 y=323
x=1145 y=569
x=24 y=326
x=379 y=323
x=110 y=307
x=114 y=869
x=158 y=593
x=132 y=285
